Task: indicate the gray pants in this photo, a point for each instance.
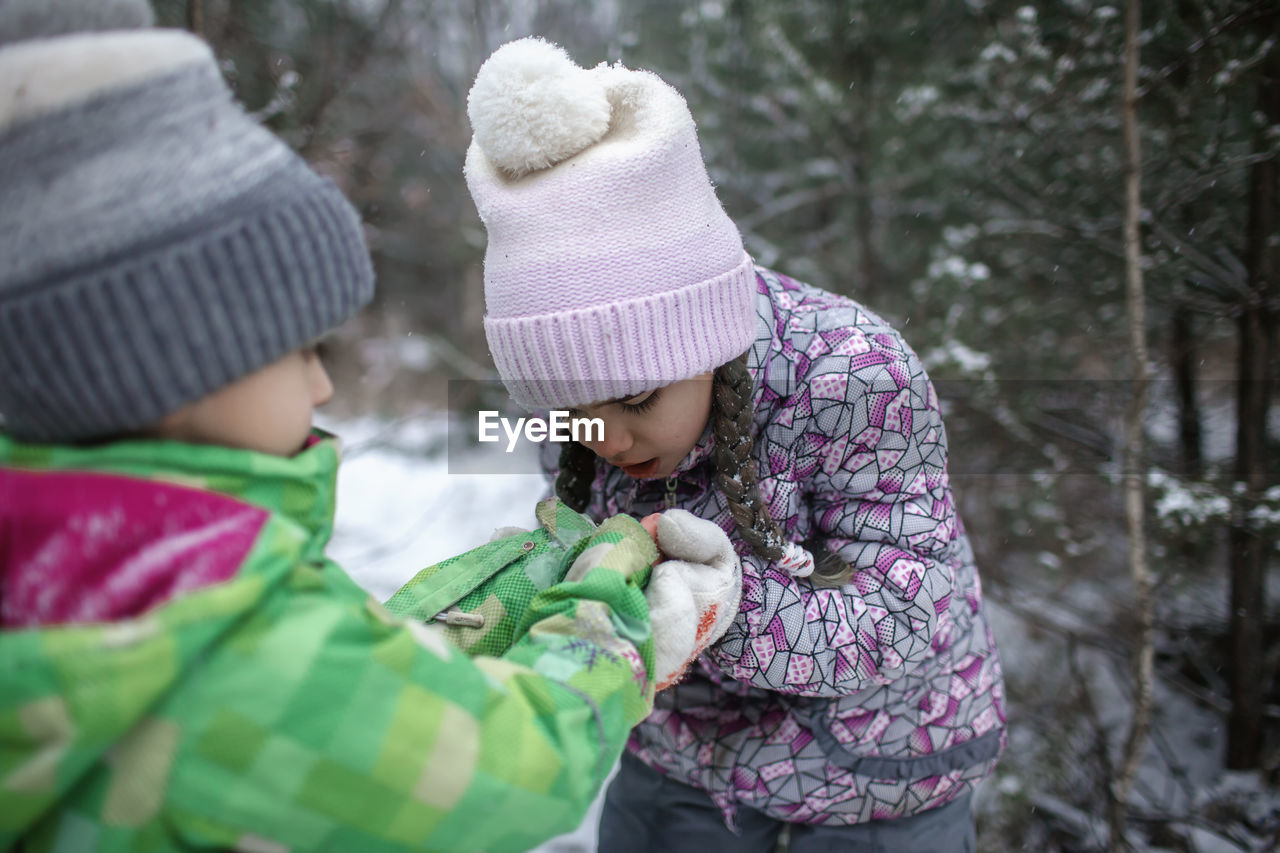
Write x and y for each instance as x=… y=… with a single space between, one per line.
x=646 y=812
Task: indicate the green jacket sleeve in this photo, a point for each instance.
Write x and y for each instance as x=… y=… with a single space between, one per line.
x=325 y=723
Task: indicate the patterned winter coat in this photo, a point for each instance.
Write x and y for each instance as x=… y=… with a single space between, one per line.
x=877 y=700
x=181 y=667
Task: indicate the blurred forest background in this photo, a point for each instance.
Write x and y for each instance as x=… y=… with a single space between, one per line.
x=957 y=165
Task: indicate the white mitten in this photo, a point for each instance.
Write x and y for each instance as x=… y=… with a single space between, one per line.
x=693 y=593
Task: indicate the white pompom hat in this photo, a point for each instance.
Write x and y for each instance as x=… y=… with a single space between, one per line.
x=611 y=267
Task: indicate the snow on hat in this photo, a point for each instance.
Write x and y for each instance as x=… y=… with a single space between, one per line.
x=156 y=243
x=611 y=267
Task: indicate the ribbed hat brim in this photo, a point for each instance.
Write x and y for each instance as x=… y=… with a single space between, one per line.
x=572 y=358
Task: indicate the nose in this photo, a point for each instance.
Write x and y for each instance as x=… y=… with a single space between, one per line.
x=321 y=384
x=616 y=440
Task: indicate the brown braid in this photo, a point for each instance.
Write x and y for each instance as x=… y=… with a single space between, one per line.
x=731 y=413
x=577 y=473
x=731 y=422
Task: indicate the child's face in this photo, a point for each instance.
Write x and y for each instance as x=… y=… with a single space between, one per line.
x=649 y=434
x=268 y=411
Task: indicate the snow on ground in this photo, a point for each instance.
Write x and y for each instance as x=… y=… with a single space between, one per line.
x=401 y=510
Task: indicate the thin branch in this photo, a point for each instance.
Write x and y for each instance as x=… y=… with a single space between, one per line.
x=1257 y=11
x=1093 y=440
x=790 y=202
x=363 y=52
x=1101 y=741
x=1203 y=263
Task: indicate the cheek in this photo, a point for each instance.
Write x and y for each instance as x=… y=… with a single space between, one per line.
x=591 y=436
x=302 y=405
x=285 y=421
x=286 y=409
x=693 y=428
x=682 y=432
x=698 y=412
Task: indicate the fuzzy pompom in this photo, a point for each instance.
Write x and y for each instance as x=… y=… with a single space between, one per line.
x=532 y=107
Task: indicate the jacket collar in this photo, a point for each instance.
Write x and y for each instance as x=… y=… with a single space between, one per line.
x=301 y=487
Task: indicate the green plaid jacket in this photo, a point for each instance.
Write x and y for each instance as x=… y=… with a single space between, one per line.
x=281 y=708
x=495 y=583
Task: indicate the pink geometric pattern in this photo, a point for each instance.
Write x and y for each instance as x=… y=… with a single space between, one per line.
x=880 y=699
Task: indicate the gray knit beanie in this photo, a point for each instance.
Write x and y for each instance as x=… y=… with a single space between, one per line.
x=156 y=243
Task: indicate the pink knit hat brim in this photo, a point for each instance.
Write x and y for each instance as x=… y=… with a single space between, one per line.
x=625 y=347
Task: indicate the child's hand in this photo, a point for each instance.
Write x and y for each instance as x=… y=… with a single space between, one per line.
x=650 y=524
x=693 y=593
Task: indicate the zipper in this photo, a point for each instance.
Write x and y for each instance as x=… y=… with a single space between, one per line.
x=669 y=499
x=461 y=618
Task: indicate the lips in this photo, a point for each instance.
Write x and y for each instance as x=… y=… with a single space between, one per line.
x=640 y=470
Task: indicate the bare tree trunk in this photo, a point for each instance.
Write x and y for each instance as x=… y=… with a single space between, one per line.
x=1183 y=357
x=195 y=16
x=855 y=61
x=1248 y=547
x=1134 y=507
x=868 y=262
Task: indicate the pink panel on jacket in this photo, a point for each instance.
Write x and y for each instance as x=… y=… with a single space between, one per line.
x=79 y=547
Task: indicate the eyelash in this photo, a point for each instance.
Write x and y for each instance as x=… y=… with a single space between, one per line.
x=643 y=406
